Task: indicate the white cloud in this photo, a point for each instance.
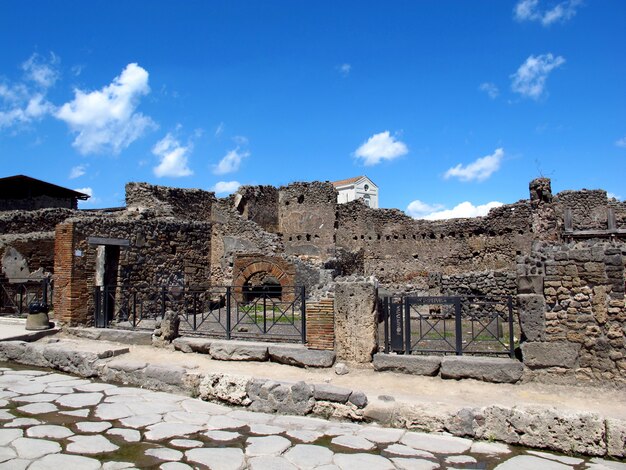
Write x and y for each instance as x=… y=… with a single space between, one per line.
x=225 y=187
x=173 y=158
x=219 y=130
x=88 y=191
x=381 y=147
x=530 y=78
x=78 y=171
x=462 y=210
x=490 y=88
x=89 y=202
x=231 y=162
x=529 y=10
x=621 y=142
x=344 y=69
x=106 y=119
x=478 y=170
x=24 y=102
x=44 y=73
x=611 y=195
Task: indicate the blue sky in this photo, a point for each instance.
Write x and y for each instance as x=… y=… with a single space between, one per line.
x=446 y=105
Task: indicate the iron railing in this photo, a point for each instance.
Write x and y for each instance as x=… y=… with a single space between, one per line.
x=221 y=311
x=481 y=325
x=17 y=295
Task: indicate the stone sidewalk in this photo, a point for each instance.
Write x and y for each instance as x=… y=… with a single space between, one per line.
x=50 y=421
x=563 y=418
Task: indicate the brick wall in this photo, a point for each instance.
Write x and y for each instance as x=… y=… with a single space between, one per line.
x=320 y=324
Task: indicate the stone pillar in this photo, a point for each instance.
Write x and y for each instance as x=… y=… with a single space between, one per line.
x=531 y=307
x=320 y=325
x=356 y=322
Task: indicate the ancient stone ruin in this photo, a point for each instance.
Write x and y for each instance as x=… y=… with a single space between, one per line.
x=561 y=257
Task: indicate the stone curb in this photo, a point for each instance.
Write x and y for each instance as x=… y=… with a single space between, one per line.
x=540 y=427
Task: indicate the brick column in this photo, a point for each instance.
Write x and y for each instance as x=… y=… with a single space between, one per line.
x=320 y=325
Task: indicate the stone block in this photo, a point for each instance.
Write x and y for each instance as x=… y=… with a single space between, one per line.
x=238 y=351
x=328 y=392
x=171 y=375
x=616 y=438
x=487 y=369
x=227 y=388
x=552 y=354
x=358 y=399
x=415 y=365
x=197 y=345
x=301 y=356
x=531 y=310
x=530 y=285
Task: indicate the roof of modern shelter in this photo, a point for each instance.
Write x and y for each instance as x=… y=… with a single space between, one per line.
x=348 y=181
x=21 y=187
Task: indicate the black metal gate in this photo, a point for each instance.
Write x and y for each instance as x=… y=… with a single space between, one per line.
x=16 y=296
x=221 y=311
x=449 y=325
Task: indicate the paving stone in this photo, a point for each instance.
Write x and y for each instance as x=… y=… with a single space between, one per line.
x=6 y=453
x=93 y=427
x=38 y=408
x=117 y=465
x=301 y=422
x=257 y=417
x=199 y=406
x=305 y=436
x=441 y=444
x=15 y=464
x=80 y=400
x=224 y=422
x=186 y=417
x=57 y=461
x=49 y=430
x=175 y=466
x=124 y=398
x=80 y=413
x=222 y=436
x=159 y=431
x=150 y=407
x=141 y=421
x=491 y=448
x=129 y=435
x=309 y=456
x=362 y=462
x=461 y=459
x=5 y=415
x=559 y=458
x=415 y=365
x=381 y=435
x=265 y=429
x=59 y=390
x=268 y=445
x=37 y=398
x=126 y=390
x=400 y=450
x=112 y=411
x=19 y=422
x=414 y=464
x=28 y=448
x=95 y=387
x=270 y=463
x=530 y=462
x=186 y=443
x=217 y=458
x=238 y=351
x=90 y=445
x=27 y=389
x=163 y=453
x=353 y=442
x=608 y=463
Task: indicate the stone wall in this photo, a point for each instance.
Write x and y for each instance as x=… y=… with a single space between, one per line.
x=44 y=220
x=572 y=311
x=306 y=218
x=26 y=256
x=160 y=253
x=259 y=204
x=184 y=204
x=588 y=208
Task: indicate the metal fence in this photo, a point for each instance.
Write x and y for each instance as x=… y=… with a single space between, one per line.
x=17 y=295
x=222 y=311
x=449 y=325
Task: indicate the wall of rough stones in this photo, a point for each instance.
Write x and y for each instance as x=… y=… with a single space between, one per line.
x=572 y=311
x=184 y=204
x=259 y=204
x=588 y=208
x=26 y=256
x=306 y=218
x=44 y=220
x=160 y=253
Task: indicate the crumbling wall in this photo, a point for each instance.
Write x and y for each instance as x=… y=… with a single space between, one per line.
x=26 y=256
x=306 y=215
x=572 y=311
x=588 y=208
x=160 y=253
x=181 y=203
x=44 y=220
x=259 y=204
x=398 y=249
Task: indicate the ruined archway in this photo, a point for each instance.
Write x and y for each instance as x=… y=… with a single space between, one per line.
x=268 y=274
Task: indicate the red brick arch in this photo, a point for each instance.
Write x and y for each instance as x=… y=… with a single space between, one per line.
x=248 y=266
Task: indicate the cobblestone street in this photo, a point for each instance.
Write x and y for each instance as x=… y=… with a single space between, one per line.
x=52 y=421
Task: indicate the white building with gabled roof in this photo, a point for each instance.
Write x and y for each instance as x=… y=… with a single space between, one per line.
x=359 y=187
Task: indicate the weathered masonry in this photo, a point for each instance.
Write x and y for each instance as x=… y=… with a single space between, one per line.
x=560 y=257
